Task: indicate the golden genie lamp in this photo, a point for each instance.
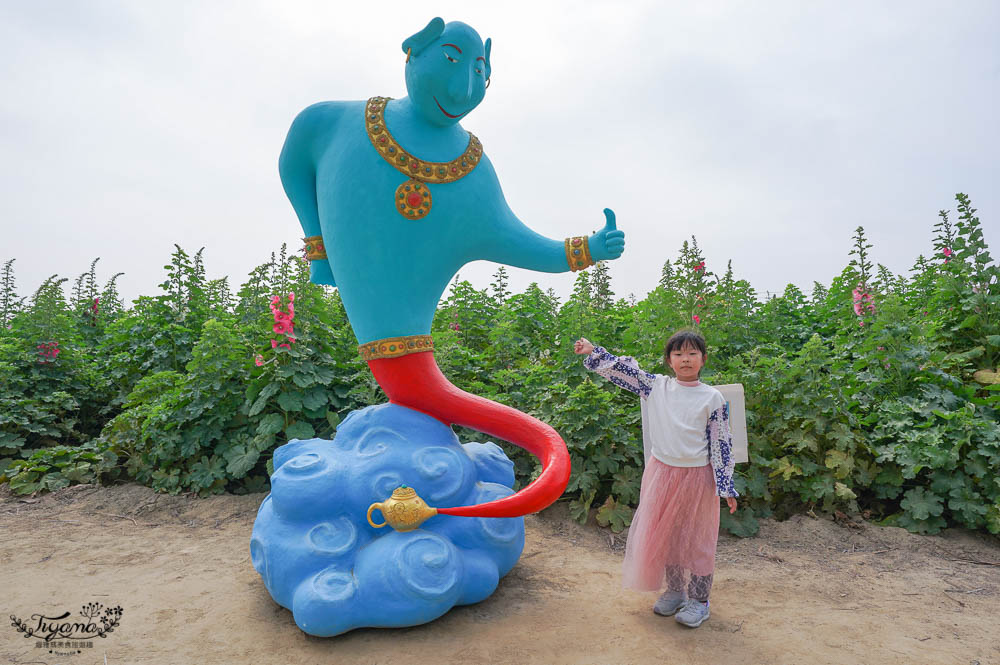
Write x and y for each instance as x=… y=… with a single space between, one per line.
x=403 y=511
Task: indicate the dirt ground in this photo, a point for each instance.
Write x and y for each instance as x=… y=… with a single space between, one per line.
x=805 y=591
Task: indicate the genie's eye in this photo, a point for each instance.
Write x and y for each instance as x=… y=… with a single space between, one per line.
x=450 y=59
x=479 y=70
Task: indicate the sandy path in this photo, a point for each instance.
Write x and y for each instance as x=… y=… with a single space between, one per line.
x=804 y=591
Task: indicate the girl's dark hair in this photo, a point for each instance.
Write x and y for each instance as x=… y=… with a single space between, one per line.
x=681 y=339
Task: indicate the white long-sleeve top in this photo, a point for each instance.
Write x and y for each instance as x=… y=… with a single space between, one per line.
x=682 y=425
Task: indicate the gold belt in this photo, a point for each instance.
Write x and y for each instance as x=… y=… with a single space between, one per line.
x=394 y=347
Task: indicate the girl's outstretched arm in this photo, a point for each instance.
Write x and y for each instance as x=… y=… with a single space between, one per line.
x=720 y=451
x=624 y=372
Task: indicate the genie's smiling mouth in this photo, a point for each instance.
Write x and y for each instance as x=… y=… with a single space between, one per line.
x=445 y=112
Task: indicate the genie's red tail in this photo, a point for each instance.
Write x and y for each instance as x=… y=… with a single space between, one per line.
x=415 y=381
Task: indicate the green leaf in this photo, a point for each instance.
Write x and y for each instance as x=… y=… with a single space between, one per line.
x=844 y=492
x=300 y=430
x=786 y=469
x=842 y=463
x=615 y=515
x=314 y=398
x=240 y=460
x=579 y=509
x=927 y=527
x=205 y=472
x=78 y=473
x=742 y=524
x=24 y=483
x=969 y=321
x=272 y=423
x=921 y=504
x=333 y=418
x=993 y=519
x=267 y=393
x=290 y=401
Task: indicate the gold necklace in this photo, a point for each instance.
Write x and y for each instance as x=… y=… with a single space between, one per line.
x=413 y=198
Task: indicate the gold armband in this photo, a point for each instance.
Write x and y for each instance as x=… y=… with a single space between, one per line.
x=578 y=253
x=315 y=249
x=393 y=347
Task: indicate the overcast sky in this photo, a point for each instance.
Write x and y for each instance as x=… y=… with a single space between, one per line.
x=769 y=130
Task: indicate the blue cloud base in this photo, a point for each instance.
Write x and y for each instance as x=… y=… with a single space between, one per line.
x=319 y=557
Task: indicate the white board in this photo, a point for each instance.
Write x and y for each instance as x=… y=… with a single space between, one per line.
x=733 y=392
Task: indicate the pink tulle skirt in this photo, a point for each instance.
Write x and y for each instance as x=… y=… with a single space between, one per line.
x=676 y=524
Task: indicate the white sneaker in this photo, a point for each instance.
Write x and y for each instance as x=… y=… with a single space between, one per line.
x=668 y=604
x=693 y=613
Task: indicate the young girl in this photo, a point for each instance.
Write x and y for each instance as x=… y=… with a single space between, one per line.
x=685 y=431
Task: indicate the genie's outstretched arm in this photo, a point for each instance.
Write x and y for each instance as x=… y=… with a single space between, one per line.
x=297 y=168
x=511 y=242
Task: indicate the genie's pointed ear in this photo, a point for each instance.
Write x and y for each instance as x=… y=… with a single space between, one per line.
x=486 y=46
x=425 y=37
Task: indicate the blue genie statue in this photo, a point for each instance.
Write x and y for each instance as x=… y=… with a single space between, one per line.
x=394 y=197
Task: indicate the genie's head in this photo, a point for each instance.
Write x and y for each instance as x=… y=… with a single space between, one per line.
x=447 y=71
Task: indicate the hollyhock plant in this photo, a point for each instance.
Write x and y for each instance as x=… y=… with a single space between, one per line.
x=696 y=319
x=48 y=351
x=863 y=302
x=283 y=321
x=700 y=266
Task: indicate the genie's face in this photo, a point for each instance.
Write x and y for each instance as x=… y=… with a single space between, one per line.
x=446 y=76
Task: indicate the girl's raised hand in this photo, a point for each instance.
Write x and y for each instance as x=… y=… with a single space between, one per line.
x=582 y=346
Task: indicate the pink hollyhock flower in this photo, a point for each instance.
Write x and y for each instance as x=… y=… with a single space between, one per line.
x=275 y=300
x=857 y=308
x=291 y=310
x=861 y=324
x=281 y=317
x=697 y=319
x=291 y=296
x=700 y=266
x=291 y=339
x=258 y=360
x=282 y=328
x=284 y=346
x=274 y=343
x=946 y=251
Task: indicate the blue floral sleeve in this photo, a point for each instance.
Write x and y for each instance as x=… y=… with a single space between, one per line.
x=720 y=451
x=624 y=372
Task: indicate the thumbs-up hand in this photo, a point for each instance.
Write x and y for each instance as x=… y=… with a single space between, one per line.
x=609 y=242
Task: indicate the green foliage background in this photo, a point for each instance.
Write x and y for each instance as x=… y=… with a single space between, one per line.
x=889 y=410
